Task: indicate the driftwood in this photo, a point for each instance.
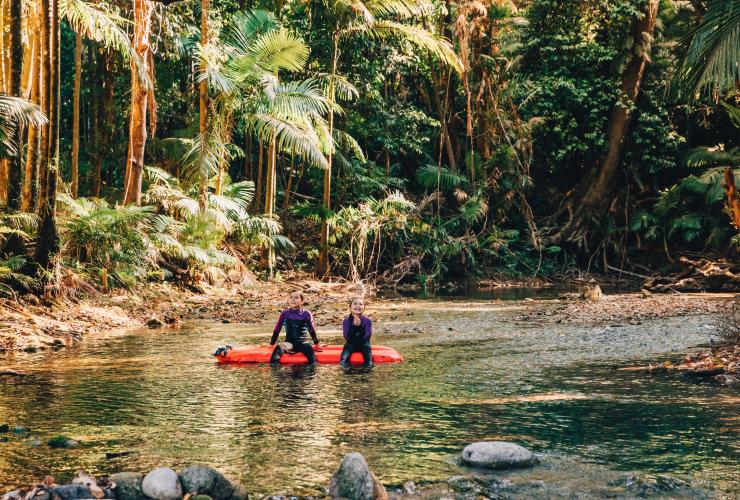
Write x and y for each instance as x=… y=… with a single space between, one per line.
x=700 y=275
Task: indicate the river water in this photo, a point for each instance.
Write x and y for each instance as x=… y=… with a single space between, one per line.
x=471 y=372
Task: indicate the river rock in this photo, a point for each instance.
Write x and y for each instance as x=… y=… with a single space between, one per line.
x=162 y=484
x=154 y=323
x=354 y=480
x=62 y=442
x=128 y=485
x=198 y=479
x=72 y=492
x=4 y=428
x=497 y=455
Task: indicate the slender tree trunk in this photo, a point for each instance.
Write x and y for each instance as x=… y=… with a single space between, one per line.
x=322 y=267
x=44 y=69
x=48 y=237
x=289 y=183
x=597 y=190
x=139 y=100
x=76 y=116
x=267 y=260
x=258 y=198
x=203 y=90
x=442 y=112
x=16 y=65
x=29 y=178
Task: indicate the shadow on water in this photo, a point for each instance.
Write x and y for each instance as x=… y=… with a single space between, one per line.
x=157 y=397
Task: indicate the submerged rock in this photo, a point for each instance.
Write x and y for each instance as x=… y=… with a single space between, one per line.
x=497 y=455
x=62 y=442
x=4 y=428
x=205 y=481
x=354 y=480
x=154 y=323
x=162 y=484
x=652 y=485
x=76 y=492
x=128 y=485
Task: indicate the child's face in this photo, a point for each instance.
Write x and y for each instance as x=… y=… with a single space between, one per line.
x=295 y=300
x=357 y=306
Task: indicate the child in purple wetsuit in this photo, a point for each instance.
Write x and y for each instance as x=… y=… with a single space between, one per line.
x=298 y=323
x=357 y=329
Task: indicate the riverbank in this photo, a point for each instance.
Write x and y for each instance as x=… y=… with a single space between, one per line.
x=28 y=324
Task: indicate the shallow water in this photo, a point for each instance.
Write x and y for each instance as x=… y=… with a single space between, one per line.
x=158 y=398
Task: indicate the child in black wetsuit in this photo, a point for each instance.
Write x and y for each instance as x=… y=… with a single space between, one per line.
x=298 y=323
x=357 y=330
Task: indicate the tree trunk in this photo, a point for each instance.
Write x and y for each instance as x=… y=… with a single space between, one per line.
x=48 y=237
x=44 y=69
x=597 y=190
x=16 y=66
x=289 y=183
x=322 y=267
x=267 y=260
x=29 y=178
x=76 y=116
x=139 y=99
x=258 y=198
x=203 y=90
x=732 y=203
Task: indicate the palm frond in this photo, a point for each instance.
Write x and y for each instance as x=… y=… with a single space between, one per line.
x=434 y=44
x=713 y=50
x=429 y=175
x=105 y=27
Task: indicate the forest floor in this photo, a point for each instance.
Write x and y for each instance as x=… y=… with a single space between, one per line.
x=27 y=324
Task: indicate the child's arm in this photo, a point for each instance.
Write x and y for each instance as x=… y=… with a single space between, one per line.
x=345 y=329
x=368 y=329
x=278 y=327
x=312 y=328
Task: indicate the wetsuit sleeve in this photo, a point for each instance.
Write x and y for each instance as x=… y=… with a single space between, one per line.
x=278 y=327
x=368 y=329
x=345 y=329
x=312 y=327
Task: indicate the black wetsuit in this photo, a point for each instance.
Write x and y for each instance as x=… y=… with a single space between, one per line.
x=298 y=324
x=357 y=339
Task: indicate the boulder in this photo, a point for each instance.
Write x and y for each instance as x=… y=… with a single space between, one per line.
x=497 y=455
x=162 y=484
x=354 y=480
x=201 y=480
x=128 y=485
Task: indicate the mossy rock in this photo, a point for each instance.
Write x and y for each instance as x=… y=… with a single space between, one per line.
x=62 y=442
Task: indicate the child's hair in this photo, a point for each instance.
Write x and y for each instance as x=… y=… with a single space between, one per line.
x=300 y=294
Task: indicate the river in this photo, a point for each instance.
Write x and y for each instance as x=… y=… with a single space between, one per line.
x=155 y=397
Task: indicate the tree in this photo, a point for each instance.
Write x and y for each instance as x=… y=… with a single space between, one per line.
x=361 y=18
x=142 y=96
x=596 y=189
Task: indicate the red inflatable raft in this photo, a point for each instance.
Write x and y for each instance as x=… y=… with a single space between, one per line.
x=328 y=355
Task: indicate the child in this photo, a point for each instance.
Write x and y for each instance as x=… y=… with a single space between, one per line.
x=298 y=322
x=357 y=329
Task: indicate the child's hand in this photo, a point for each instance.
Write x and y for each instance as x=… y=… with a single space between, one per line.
x=318 y=347
x=356 y=321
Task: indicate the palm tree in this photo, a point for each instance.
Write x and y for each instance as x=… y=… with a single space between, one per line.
x=285 y=116
x=712 y=51
x=355 y=17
